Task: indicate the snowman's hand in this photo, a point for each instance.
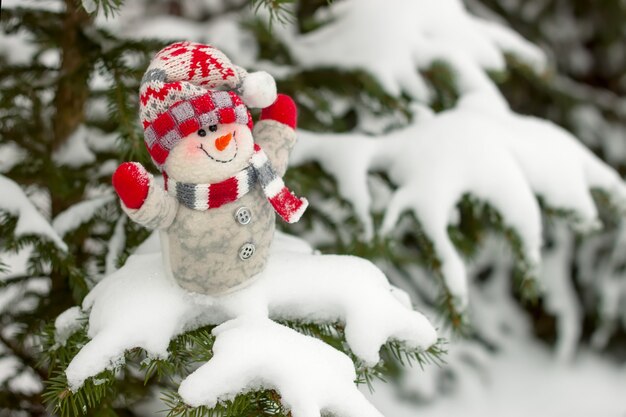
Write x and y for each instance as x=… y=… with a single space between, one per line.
x=144 y=201
x=283 y=110
x=132 y=183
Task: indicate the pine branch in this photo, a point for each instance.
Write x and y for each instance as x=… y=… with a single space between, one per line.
x=186 y=350
x=333 y=335
x=62 y=401
x=23 y=355
x=107 y=7
x=259 y=403
x=17 y=403
x=279 y=10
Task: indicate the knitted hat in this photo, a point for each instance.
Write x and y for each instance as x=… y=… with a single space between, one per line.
x=189 y=85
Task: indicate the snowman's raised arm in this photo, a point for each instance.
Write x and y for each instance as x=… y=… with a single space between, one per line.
x=275 y=132
x=143 y=200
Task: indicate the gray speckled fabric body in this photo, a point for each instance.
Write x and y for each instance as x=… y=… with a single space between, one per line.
x=201 y=248
x=204 y=246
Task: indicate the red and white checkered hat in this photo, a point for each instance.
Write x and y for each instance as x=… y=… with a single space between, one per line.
x=189 y=85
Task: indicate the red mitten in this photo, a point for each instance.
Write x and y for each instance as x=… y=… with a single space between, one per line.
x=131 y=182
x=283 y=110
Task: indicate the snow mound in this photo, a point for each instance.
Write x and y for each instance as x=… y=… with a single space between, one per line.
x=30 y=221
x=127 y=307
x=254 y=354
x=498 y=156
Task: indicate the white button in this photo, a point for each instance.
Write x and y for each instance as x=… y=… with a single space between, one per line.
x=243 y=215
x=246 y=251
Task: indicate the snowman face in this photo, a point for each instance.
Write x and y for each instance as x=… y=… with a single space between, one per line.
x=212 y=154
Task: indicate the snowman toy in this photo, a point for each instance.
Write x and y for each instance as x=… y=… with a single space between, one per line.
x=223 y=180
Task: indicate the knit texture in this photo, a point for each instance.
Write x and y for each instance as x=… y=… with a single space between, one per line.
x=283 y=110
x=185 y=70
x=208 y=196
x=189 y=85
x=188 y=116
x=285 y=203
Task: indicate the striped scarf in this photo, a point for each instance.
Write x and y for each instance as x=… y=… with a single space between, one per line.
x=208 y=196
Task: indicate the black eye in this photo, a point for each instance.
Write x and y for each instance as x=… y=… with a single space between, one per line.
x=202 y=132
x=213 y=128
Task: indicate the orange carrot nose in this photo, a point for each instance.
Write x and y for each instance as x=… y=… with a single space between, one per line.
x=222 y=142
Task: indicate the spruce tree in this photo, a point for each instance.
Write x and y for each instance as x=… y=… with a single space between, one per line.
x=585 y=96
x=70 y=76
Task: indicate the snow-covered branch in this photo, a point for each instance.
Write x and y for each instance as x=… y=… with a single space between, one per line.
x=139 y=306
x=500 y=157
x=416 y=34
x=256 y=354
x=30 y=220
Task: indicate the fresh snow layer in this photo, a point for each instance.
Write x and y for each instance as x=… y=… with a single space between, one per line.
x=255 y=353
x=10 y=156
x=600 y=262
x=90 y=6
x=80 y=213
x=75 y=151
x=560 y=296
x=139 y=306
x=67 y=323
x=30 y=221
x=224 y=33
x=498 y=156
x=115 y=246
x=392 y=38
x=523 y=380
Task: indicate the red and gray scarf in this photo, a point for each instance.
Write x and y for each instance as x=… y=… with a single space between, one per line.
x=208 y=196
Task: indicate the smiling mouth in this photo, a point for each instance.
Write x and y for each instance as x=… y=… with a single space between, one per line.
x=219 y=160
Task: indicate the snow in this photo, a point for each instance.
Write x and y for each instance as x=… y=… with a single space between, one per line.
x=116 y=246
x=19 y=297
x=600 y=263
x=80 y=213
x=224 y=33
x=254 y=354
x=16 y=299
x=17 y=49
x=479 y=147
x=17 y=378
x=560 y=295
x=523 y=380
x=75 y=152
x=30 y=221
x=48 y=5
x=10 y=156
x=498 y=156
x=597 y=132
x=100 y=142
x=505 y=369
x=90 y=6
x=68 y=323
x=411 y=34
x=126 y=308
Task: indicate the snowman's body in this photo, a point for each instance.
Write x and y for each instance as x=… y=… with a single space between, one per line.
x=212 y=251
x=218 y=250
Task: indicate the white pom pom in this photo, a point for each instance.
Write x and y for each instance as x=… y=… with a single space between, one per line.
x=258 y=89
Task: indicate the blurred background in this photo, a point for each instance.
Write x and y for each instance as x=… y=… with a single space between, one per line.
x=398 y=101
